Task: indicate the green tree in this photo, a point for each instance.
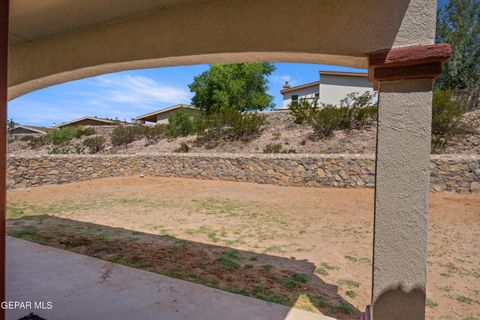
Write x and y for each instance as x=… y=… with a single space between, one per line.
x=240 y=86
x=11 y=125
x=458 y=24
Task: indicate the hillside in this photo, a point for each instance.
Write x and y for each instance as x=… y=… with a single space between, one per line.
x=280 y=130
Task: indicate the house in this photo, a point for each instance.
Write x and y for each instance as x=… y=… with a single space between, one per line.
x=23 y=130
x=161 y=116
x=331 y=89
x=89 y=121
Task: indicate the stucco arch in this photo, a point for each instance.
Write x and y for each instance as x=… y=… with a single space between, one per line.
x=183 y=32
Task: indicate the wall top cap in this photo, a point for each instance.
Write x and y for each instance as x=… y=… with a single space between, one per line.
x=410 y=55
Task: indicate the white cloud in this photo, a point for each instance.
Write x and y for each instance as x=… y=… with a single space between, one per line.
x=281 y=79
x=139 y=91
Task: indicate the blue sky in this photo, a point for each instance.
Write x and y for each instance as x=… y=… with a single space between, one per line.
x=131 y=93
x=128 y=94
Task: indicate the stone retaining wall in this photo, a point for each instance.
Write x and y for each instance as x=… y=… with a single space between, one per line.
x=448 y=173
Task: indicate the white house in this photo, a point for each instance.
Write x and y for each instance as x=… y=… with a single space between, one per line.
x=161 y=116
x=331 y=89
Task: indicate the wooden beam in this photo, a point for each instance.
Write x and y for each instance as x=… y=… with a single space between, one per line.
x=4 y=16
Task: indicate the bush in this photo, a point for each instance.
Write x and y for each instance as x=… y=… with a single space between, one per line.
x=35 y=142
x=325 y=120
x=94 y=144
x=229 y=125
x=64 y=135
x=180 y=123
x=155 y=133
x=277 y=148
x=124 y=135
x=301 y=110
x=183 y=148
x=447 y=115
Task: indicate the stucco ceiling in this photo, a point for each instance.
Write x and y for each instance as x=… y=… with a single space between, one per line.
x=35 y=19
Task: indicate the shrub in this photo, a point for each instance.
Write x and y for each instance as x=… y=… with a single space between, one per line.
x=276 y=148
x=180 y=123
x=94 y=144
x=183 y=148
x=124 y=135
x=301 y=110
x=35 y=142
x=155 y=133
x=447 y=114
x=325 y=120
x=64 y=135
x=230 y=125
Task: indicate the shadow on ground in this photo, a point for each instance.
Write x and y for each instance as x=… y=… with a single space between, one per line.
x=276 y=279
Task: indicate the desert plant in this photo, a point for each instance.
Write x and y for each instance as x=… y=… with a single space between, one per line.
x=34 y=142
x=325 y=120
x=183 y=148
x=64 y=135
x=301 y=110
x=276 y=148
x=155 y=133
x=230 y=125
x=447 y=115
x=95 y=144
x=180 y=123
x=124 y=135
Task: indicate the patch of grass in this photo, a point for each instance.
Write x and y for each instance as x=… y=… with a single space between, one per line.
x=430 y=303
x=229 y=260
x=344 y=308
x=254 y=258
x=30 y=233
x=451 y=269
x=350 y=293
x=14 y=212
x=300 y=277
x=291 y=284
x=324 y=268
x=242 y=291
x=365 y=260
x=446 y=289
x=248 y=266
x=263 y=293
x=273 y=249
x=267 y=267
x=348 y=283
x=351 y=258
x=464 y=299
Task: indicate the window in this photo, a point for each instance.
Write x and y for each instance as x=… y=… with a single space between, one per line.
x=295 y=97
x=317 y=95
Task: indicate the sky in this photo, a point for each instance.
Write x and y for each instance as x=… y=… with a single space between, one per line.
x=128 y=94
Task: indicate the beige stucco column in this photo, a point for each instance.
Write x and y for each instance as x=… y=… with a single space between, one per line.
x=404 y=78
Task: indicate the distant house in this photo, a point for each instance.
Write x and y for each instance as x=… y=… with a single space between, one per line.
x=161 y=116
x=89 y=121
x=23 y=130
x=331 y=89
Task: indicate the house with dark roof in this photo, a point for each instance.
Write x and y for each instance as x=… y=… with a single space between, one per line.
x=90 y=121
x=24 y=130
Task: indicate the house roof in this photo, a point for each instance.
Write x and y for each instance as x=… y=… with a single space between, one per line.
x=343 y=74
x=152 y=116
x=87 y=118
x=42 y=130
x=307 y=85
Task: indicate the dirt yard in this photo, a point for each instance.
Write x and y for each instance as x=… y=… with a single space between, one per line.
x=307 y=247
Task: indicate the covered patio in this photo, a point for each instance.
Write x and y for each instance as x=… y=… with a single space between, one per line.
x=43 y=43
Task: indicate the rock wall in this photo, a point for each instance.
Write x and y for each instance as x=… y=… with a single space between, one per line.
x=448 y=173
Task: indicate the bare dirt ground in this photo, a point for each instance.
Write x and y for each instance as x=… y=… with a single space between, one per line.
x=280 y=130
x=307 y=247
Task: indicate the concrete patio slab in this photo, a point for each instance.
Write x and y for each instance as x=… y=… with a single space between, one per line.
x=81 y=287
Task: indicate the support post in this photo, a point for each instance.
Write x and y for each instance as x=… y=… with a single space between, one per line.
x=4 y=23
x=404 y=77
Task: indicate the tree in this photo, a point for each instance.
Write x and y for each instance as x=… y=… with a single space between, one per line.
x=240 y=86
x=459 y=25
x=11 y=125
